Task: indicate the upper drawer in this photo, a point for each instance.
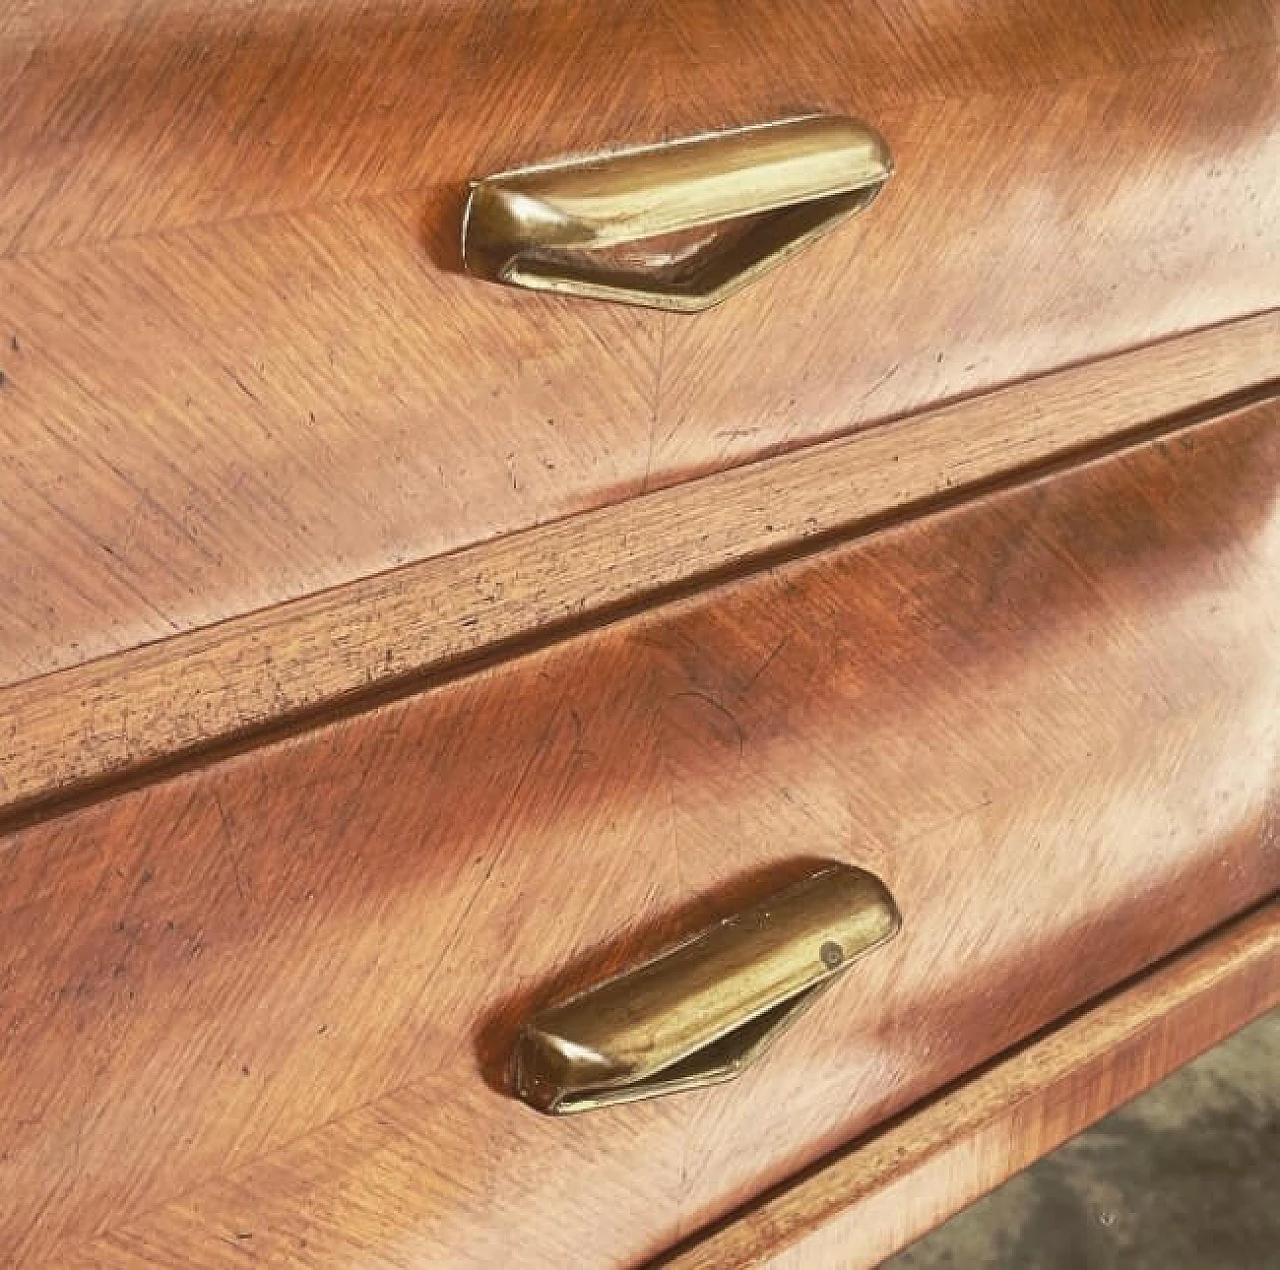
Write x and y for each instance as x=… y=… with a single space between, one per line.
x=241 y=362
x=272 y=1001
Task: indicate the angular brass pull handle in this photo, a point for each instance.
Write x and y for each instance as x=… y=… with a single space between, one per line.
x=702 y=1011
x=716 y=211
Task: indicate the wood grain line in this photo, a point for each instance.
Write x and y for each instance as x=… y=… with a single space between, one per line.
x=869 y=1201
x=77 y=727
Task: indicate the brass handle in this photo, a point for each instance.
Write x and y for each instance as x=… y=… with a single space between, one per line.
x=700 y=1012
x=717 y=211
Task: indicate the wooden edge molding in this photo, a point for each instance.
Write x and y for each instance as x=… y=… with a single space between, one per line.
x=101 y=721
x=873 y=1198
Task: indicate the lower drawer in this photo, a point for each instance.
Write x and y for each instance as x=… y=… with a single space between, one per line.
x=268 y=1005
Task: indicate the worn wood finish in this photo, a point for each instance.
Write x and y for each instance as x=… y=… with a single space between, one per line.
x=117 y=714
x=866 y=1204
x=268 y=1003
x=240 y=363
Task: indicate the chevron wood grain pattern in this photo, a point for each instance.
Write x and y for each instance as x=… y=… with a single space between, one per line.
x=114 y=716
x=869 y=1202
x=240 y=364
x=262 y=1010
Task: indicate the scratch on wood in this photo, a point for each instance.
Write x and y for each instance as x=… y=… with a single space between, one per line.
x=764 y=665
x=719 y=708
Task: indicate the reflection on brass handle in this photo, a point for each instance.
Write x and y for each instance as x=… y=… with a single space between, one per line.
x=716 y=211
x=702 y=1011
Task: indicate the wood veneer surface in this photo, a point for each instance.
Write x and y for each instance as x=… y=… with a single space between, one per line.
x=122 y=715
x=241 y=365
x=269 y=1002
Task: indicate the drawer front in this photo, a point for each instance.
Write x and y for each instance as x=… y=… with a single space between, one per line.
x=272 y=1001
x=242 y=363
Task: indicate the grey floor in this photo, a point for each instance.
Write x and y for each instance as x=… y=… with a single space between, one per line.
x=1186 y=1176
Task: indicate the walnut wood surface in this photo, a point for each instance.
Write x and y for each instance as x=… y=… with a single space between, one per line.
x=267 y=1004
x=240 y=364
x=123 y=712
x=868 y=1203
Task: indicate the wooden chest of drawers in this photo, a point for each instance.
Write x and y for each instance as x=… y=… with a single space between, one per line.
x=388 y=655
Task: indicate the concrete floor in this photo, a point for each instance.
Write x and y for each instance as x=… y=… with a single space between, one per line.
x=1187 y=1176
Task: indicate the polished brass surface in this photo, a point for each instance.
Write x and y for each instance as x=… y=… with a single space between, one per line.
x=716 y=212
x=700 y=1012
